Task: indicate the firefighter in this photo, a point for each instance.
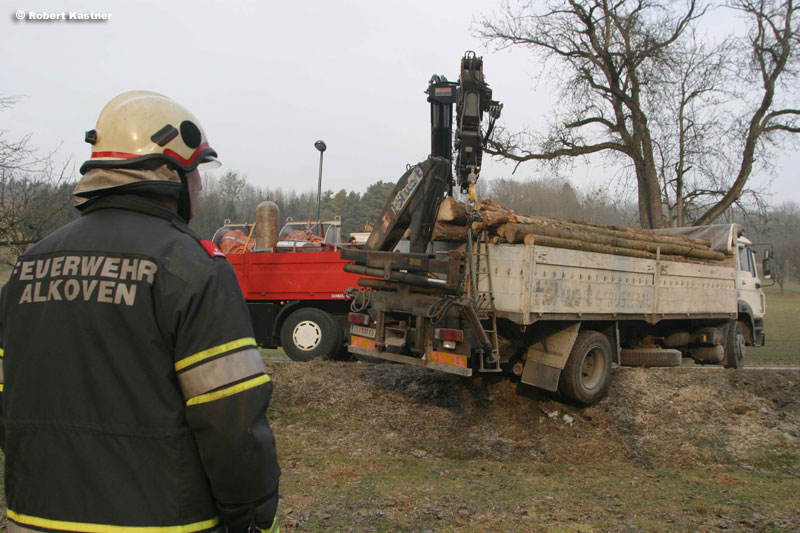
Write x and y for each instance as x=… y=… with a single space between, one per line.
x=134 y=394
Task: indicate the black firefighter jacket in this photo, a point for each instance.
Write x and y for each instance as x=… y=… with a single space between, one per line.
x=134 y=395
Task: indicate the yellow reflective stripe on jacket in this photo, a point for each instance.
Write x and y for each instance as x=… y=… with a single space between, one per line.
x=220 y=372
x=104 y=528
x=274 y=528
x=216 y=350
x=229 y=391
x=2 y=352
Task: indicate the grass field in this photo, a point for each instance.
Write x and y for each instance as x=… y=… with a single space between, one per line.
x=782 y=326
x=384 y=448
x=392 y=448
x=274 y=354
x=336 y=491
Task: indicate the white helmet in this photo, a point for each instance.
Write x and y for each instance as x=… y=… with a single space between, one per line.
x=145 y=130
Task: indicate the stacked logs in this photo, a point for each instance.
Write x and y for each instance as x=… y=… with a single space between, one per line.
x=505 y=226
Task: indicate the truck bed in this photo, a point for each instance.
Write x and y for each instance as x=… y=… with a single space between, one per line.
x=292 y=275
x=534 y=282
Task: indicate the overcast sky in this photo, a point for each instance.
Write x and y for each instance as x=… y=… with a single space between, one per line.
x=267 y=79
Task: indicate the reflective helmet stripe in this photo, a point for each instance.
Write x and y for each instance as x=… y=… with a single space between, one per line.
x=122 y=155
x=200 y=149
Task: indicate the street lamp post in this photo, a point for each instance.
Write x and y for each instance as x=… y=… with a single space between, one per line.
x=319 y=145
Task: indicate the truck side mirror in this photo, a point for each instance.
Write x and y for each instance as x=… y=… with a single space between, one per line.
x=766 y=266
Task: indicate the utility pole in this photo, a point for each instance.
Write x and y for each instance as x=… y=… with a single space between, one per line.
x=321 y=146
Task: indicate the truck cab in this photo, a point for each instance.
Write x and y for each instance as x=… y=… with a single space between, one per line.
x=752 y=301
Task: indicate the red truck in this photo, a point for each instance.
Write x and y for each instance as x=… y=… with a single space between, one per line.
x=295 y=289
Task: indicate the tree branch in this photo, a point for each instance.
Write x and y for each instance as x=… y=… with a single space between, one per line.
x=499 y=149
x=592 y=120
x=781 y=127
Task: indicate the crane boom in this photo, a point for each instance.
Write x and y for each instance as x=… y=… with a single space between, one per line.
x=416 y=198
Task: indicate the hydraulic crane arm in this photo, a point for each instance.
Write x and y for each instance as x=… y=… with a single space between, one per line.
x=474 y=99
x=415 y=200
x=413 y=205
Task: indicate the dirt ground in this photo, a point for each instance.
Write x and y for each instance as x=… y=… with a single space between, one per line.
x=396 y=448
x=364 y=447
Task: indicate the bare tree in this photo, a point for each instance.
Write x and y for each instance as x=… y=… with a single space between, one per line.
x=35 y=193
x=33 y=204
x=606 y=54
x=781 y=232
x=638 y=86
x=685 y=117
x=557 y=198
x=15 y=155
x=771 y=61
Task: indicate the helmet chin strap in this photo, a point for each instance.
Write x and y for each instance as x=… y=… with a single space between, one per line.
x=184 y=199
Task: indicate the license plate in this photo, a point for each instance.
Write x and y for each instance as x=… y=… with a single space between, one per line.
x=362 y=331
x=449 y=359
x=362 y=343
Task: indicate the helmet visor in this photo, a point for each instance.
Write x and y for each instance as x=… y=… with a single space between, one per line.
x=209 y=163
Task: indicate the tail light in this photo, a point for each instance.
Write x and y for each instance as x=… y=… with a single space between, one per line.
x=445 y=334
x=359 y=318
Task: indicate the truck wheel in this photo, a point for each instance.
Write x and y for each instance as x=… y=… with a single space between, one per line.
x=734 y=347
x=343 y=354
x=586 y=376
x=650 y=357
x=309 y=333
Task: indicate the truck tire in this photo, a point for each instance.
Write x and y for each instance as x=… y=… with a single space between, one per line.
x=309 y=333
x=650 y=357
x=734 y=346
x=586 y=376
x=344 y=354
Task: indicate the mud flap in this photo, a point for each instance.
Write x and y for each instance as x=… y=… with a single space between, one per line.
x=546 y=358
x=541 y=375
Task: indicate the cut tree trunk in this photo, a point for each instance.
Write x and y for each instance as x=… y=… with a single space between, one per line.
x=572 y=244
x=612 y=231
x=494 y=218
x=503 y=225
x=449 y=232
x=478 y=227
x=452 y=211
x=517 y=232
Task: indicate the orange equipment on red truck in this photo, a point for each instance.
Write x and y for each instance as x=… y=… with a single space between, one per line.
x=293 y=281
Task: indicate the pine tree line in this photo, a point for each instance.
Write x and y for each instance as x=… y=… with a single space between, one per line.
x=230 y=197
